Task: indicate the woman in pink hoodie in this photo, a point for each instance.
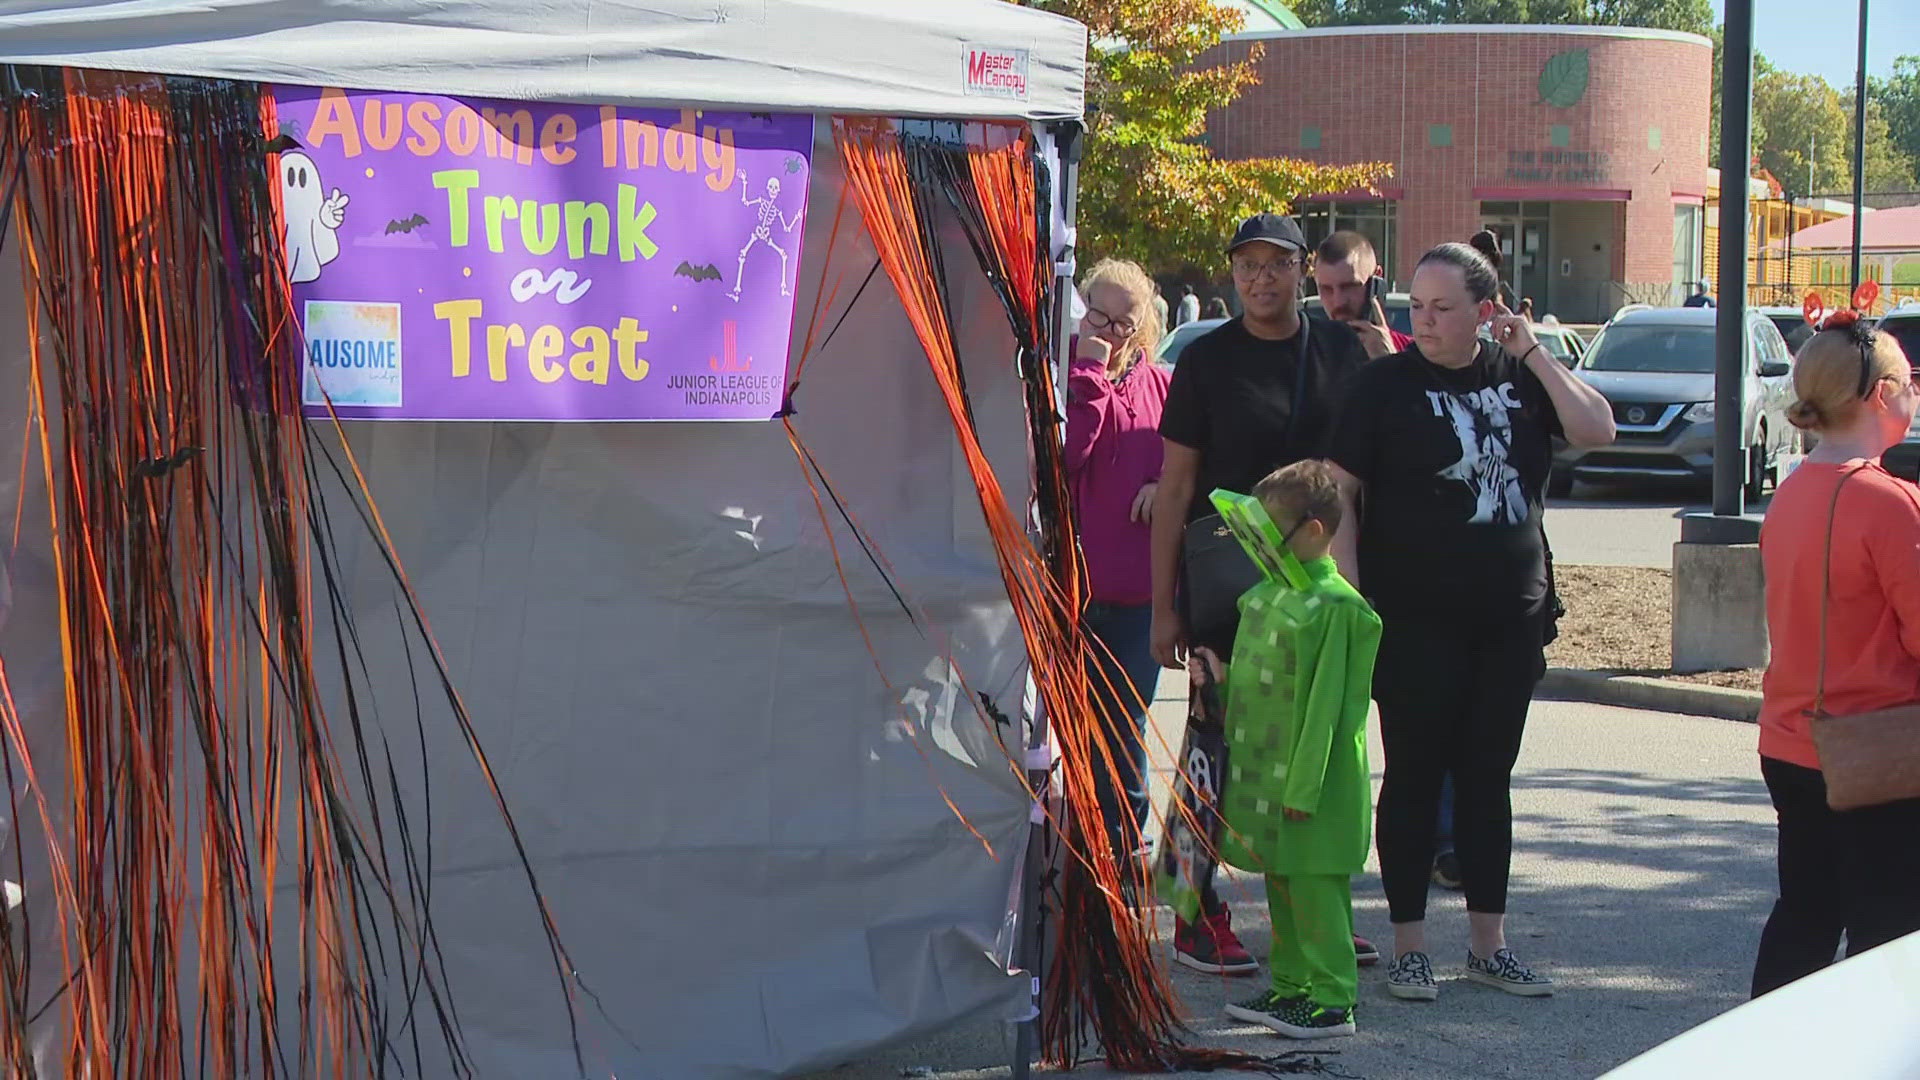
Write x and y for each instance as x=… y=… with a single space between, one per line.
x=1114 y=396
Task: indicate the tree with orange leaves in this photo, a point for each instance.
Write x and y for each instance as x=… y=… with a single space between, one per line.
x=1150 y=188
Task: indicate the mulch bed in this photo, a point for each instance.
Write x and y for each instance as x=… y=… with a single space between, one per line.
x=1620 y=619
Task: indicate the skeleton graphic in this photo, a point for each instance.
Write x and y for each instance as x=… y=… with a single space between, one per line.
x=1485 y=430
x=310 y=242
x=767 y=211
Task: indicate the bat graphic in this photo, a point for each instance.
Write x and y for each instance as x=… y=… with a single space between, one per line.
x=691 y=272
x=406 y=225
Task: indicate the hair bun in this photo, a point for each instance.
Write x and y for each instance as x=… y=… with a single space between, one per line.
x=1804 y=415
x=1488 y=245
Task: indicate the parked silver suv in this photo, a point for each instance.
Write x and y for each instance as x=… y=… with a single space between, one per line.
x=1655 y=366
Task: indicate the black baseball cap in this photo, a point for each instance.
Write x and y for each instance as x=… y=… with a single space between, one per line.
x=1273 y=228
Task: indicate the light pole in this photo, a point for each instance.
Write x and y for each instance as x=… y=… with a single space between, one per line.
x=1730 y=326
x=1859 y=144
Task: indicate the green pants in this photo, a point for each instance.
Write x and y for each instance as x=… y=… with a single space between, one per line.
x=1313 y=939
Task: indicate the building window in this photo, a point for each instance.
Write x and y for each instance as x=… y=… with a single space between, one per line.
x=1653 y=138
x=1688 y=252
x=1560 y=135
x=1309 y=138
x=1373 y=219
x=1439 y=134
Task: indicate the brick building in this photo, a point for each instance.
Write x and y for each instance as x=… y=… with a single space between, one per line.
x=1584 y=148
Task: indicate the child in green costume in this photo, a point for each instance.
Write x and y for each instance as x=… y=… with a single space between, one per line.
x=1297 y=799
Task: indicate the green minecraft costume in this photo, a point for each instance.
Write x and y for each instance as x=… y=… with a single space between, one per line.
x=1296 y=723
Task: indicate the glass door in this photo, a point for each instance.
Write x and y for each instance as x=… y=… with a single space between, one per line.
x=1524 y=244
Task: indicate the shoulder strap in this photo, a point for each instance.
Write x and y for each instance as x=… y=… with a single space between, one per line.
x=1826 y=595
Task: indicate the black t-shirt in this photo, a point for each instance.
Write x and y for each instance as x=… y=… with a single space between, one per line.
x=1232 y=399
x=1453 y=463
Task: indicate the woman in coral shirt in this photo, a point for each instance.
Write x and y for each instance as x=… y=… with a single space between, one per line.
x=1855 y=872
x=1113 y=450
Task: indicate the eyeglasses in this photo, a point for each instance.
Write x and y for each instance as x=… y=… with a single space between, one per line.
x=1252 y=269
x=1100 y=320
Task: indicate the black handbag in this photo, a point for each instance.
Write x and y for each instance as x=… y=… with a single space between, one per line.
x=1216 y=571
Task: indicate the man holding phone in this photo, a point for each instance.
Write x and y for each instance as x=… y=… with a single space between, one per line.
x=1345 y=272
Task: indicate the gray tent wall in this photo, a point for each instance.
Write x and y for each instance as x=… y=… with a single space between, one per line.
x=735 y=812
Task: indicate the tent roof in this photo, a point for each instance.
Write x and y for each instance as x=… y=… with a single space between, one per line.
x=1892 y=230
x=880 y=57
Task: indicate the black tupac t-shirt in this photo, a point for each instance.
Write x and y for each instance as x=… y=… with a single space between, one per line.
x=1453 y=463
x=1232 y=399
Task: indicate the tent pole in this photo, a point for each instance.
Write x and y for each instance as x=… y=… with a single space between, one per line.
x=1032 y=949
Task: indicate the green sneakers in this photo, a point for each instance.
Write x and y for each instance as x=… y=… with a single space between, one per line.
x=1296 y=1018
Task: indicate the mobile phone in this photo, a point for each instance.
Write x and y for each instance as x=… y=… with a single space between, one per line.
x=1376 y=289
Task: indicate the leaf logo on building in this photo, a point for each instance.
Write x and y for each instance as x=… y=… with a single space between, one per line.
x=1563 y=82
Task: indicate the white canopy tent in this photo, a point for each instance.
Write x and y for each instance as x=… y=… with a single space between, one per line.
x=738 y=814
x=879 y=57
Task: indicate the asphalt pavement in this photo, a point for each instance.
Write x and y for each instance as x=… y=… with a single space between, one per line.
x=1642 y=873
x=1624 y=524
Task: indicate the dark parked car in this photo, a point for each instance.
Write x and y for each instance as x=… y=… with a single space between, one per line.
x=1655 y=366
x=1904 y=324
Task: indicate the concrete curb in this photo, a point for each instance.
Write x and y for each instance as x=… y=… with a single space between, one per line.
x=1660 y=695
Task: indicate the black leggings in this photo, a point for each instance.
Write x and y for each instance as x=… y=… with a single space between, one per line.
x=1856 y=873
x=1453 y=698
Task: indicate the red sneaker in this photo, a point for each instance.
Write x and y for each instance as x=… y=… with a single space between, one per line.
x=1364 y=951
x=1210 y=946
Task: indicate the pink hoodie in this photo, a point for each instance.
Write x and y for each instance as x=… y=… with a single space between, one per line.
x=1113 y=448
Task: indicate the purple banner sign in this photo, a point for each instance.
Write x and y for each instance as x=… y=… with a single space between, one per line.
x=465 y=259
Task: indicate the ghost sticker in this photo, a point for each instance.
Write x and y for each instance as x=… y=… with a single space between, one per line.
x=766 y=211
x=311 y=218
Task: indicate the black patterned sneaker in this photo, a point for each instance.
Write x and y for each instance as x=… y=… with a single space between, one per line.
x=1410 y=977
x=1296 y=1018
x=1505 y=972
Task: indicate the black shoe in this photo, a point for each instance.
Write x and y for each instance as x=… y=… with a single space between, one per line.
x=1365 y=953
x=1296 y=1018
x=1446 y=870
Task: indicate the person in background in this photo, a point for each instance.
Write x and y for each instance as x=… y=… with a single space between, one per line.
x=1160 y=312
x=1255 y=394
x=1217 y=309
x=1487 y=243
x=1189 y=306
x=1852 y=873
x=1444 y=450
x=1699 y=297
x=1113 y=451
x=1342 y=264
x=1526 y=309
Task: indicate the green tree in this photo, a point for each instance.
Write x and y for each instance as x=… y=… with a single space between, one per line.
x=1899 y=99
x=1803 y=135
x=1693 y=16
x=1150 y=188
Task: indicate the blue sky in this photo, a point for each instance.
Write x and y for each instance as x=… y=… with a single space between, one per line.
x=1792 y=34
